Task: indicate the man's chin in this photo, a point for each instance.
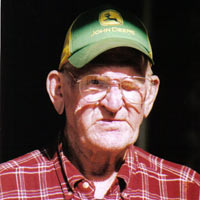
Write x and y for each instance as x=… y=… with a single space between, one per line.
x=112 y=137
x=113 y=142
x=113 y=148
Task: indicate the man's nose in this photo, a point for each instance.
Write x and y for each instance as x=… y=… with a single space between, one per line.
x=113 y=101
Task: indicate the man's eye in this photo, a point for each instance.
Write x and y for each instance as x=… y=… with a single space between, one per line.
x=129 y=85
x=94 y=82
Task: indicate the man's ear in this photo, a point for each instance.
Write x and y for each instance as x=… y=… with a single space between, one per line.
x=151 y=95
x=55 y=90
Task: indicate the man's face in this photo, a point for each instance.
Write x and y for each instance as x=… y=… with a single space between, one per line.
x=110 y=124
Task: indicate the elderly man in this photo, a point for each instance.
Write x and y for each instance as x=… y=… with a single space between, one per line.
x=105 y=87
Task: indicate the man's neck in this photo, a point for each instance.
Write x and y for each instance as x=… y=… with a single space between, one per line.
x=95 y=165
x=99 y=166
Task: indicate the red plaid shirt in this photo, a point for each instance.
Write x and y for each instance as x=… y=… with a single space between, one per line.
x=142 y=176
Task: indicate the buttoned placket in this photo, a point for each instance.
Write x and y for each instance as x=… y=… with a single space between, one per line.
x=67 y=191
x=80 y=189
x=84 y=189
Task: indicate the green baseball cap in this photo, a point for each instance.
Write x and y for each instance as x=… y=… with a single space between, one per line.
x=96 y=31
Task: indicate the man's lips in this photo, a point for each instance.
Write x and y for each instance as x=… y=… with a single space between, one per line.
x=111 y=120
x=115 y=122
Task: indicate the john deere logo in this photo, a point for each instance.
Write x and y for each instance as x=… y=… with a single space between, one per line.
x=110 y=18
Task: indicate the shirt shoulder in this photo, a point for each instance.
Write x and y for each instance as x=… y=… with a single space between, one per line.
x=165 y=169
x=29 y=160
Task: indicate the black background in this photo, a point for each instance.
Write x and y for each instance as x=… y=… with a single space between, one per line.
x=32 y=38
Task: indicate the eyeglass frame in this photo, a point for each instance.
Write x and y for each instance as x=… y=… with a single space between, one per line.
x=78 y=80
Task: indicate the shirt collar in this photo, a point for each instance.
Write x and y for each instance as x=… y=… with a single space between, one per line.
x=70 y=171
x=128 y=166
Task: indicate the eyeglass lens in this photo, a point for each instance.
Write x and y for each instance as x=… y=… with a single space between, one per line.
x=95 y=87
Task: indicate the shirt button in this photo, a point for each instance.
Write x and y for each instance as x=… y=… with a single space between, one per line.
x=125 y=195
x=70 y=193
x=85 y=185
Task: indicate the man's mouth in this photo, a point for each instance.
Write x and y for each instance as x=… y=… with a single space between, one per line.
x=115 y=122
x=111 y=120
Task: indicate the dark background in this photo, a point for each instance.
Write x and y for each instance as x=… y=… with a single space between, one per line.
x=32 y=38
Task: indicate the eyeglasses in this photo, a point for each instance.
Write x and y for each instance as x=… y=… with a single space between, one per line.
x=95 y=87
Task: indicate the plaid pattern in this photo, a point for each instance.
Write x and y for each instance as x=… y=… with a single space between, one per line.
x=142 y=176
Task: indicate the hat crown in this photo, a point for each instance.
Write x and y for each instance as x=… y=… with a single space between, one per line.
x=97 y=28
